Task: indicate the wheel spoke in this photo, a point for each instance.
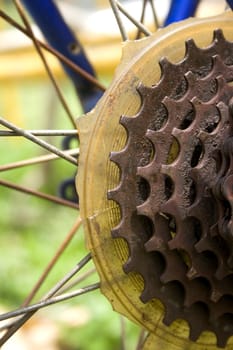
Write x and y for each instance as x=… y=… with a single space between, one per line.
x=48 y=299
x=44 y=61
x=53 y=261
x=64 y=289
x=78 y=280
x=139 y=25
x=141 y=339
x=156 y=21
x=37 y=160
x=41 y=133
x=38 y=141
x=38 y=194
x=115 y=10
x=54 y=52
x=141 y=18
x=68 y=276
x=123 y=333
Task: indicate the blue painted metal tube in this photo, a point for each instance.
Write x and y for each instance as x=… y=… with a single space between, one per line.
x=230 y=3
x=181 y=9
x=57 y=33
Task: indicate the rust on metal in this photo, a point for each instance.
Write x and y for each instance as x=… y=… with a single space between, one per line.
x=177 y=172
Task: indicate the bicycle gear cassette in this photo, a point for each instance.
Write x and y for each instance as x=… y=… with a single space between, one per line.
x=155 y=185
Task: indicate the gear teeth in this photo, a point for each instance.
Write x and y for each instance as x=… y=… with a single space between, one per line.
x=145 y=91
x=165 y=66
x=197 y=317
x=223 y=306
x=145 y=209
x=218 y=36
x=174 y=227
x=219 y=66
x=115 y=195
x=197 y=290
x=219 y=250
x=117 y=233
x=116 y=157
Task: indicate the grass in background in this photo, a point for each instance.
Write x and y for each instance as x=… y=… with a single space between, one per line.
x=32 y=229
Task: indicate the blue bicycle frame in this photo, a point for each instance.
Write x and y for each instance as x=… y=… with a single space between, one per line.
x=59 y=36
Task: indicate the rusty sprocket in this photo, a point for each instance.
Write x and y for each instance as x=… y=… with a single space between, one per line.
x=175 y=191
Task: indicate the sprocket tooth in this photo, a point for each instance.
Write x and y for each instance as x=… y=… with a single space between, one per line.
x=169 y=103
x=115 y=194
x=191 y=49
x=145 y=209
x=219 y=66
x=126 y=121
x=149 y=293
x=117 y=232
x=172 y=296
x=223 y=335
x=205 y=244
x=170 y=316
x=192 y=79
x=165 y=66
x=223 y=306
x=144 y=90
x=218 y=36
x=155 y=243
x=175 y=268
x=197 y=290
x=197 y=316
x=116 y=157
x=130 y=265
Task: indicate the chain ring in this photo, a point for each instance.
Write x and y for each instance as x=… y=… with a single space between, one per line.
x=138 y=143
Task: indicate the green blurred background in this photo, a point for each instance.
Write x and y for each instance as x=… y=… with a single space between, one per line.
x=32 y=229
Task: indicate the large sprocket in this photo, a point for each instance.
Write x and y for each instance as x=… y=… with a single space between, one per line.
x=170 y=208
x=161 y=129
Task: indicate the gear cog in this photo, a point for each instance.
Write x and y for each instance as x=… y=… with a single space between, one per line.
x=157 y=213
x=177 y=171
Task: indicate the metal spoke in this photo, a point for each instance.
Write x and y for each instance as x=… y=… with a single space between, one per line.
x=68 y=276
x=139 y=25
x=115 y=10
x=37 y=160
x=45 y=300
x=45 y=196
x=48 y=48
x=78 y=280
x=141 y=18
x=51 y=301
x=38 y=141
x=48 y=269
x=44 y=61
x=123 y=333
x=141 y=339
x=41 y=133
x=53 y=261
x=156 y=21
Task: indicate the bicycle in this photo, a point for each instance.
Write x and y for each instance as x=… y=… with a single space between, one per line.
x=120 y=258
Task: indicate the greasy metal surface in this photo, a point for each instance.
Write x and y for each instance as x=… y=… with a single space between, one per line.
x=175 y=191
